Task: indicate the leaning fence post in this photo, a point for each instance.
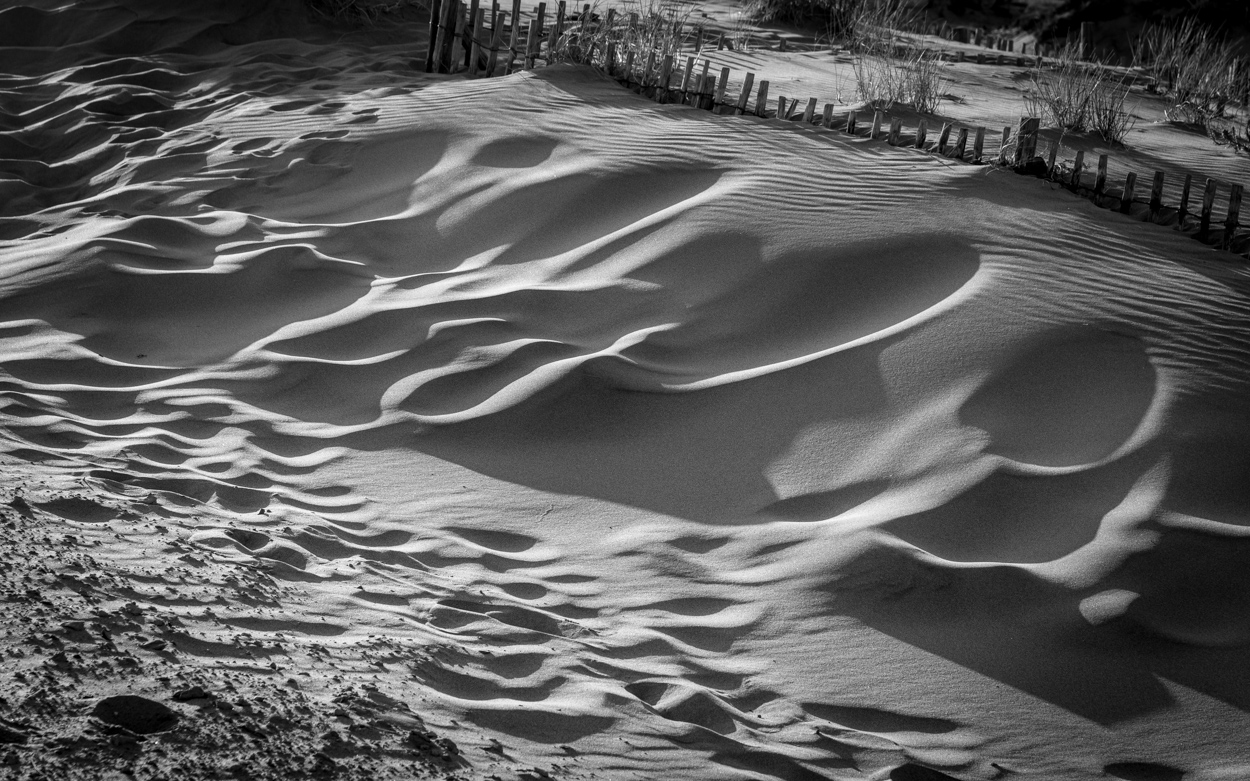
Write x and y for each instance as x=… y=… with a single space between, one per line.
x=746 y=92
x=1156 y=194
x=921 y=131
x=944 y=138
x=1002 y=149
x=436 y=11
x=721 y=84
x=896 y=127
x=1126 y=199
x=1100 y=183
x=876 y=125
x=1234 y=208
x=1077 y=164
x=685 y=78
x=978 y=145
x=1026 y=140
x=961 y=144
x=666 y=75
x=1208 y=200
x=810 y=111
x=1182 y=211
x=761 y=99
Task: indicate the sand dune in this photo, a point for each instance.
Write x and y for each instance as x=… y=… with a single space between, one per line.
x=607 y=438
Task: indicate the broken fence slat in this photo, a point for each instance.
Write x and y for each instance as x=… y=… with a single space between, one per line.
x=944 y=138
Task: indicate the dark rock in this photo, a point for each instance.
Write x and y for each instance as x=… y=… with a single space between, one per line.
x=136 y=714
x=191 y=693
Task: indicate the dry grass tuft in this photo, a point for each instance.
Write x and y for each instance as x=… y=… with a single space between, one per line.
x=1079 y=96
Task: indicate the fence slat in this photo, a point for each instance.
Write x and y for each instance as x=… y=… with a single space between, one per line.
x=1230 y=222
x=851 y=121
x=721 y=84
x=746 y=92
x=1208 y=200
x=1182 y=211
x=1026 y=140
x=685 y=78
x=436 y=14
x=1002 y=148
x=944 y=138
x=896 y=127
x=826 y=119
x=1050 y=159
x=1156 y=194
x=810 y=111
x=876 y=125
x=761 y=99
x=1100 y=182
x=1126 y=198
x=921 y=131
x=961 y=144
x=1077 y=165
x=978 y=145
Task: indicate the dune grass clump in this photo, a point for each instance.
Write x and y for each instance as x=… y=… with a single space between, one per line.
x=1080 y=96
x=1196 y=68
x=885 y=76
x=642 y=26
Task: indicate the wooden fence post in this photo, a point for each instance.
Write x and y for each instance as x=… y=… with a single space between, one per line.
x=721 y=84
x=851 y=120
x=944 y=138
x=896 y=127
x=445 y=29
x=1156 y=194
x=1026 y=140
x=781 y=107
x=921 y=131
x=826 y=118
x=1230 y=222
x=1100 y=183
x=436 y=13
x=557 y=29
x=978 y=145
x=609 y=59
x=685 y=78
x=761 y=99
x=746 y=92
x=629 y=67
x=1077 y=164
x=647 y=69
x=876 y=125
x=1050 y=159
x=475 y=50
x=666 y=75
x=1126 y=198
x=496 y=43
x=1182 y=211
x=466 y=43
x=961 y=144
x=810 y=111
x=1002 y=149
x=515 y=18
x=1208 y=200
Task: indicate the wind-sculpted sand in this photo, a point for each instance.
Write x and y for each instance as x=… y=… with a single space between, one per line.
x=617 y=440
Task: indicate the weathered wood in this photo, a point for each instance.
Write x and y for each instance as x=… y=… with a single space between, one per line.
x=1130 y=187
x=698 y=39
x=761 y=99
x=978 y=146
x=1077 y=165
x=467 y=35
x=810 y=111
x=475 y=50
x=1208 y=200
x=1182 y=210
x=1234 y=209
x=666 y=75
x=720 y=42
x=645 y=78
x=876 y=125
x=826 y=118
x=896 y=128
x=629 y=67
x=1100 y=181
x=721 y=84
x=961 y=144
x=685 y=78
x=515 y=36
x=1050 y=159
x=609 y=59
x=496 y=42
x=1156 y=193
x=944 y=138
x=1002 y=148
x=851 y=121
x=446 y=30
x=557 y=28
x=921 y=131
x=703 y=83
x=781 y=107
x=436 y=13
x=746 y=93
x=1026 y=140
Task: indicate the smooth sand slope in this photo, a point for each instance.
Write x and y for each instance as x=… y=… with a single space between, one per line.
x=607 y=439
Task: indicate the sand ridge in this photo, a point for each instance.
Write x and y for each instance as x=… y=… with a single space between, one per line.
x=618 y=439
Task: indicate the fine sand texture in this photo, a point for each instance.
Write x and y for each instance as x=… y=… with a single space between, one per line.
x=357 y=423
